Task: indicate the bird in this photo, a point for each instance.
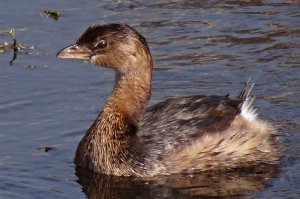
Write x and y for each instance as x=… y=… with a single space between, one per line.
x=183 y=134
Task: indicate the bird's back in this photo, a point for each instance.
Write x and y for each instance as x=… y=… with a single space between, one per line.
x=206 y=132
x=178 y=121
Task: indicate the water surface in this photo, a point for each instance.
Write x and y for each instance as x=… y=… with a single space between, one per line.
x=198 y=47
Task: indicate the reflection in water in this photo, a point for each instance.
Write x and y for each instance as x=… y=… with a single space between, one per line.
x=207 y=184
x=11 y=62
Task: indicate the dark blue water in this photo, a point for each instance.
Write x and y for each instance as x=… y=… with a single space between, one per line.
x=199 y=47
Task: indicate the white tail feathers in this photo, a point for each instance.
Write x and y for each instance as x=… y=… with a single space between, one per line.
x=247 y=111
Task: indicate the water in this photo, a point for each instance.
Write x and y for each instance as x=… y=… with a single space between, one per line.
x=207 y=47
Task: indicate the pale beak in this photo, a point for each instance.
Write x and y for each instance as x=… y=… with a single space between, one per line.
x=75 y=52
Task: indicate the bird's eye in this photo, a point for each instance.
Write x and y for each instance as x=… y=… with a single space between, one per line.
x=101 y=44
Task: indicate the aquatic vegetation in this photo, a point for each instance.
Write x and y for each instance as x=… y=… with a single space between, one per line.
x=46 y=148
x=7 y=46
x=15 y=47
x=54 y=14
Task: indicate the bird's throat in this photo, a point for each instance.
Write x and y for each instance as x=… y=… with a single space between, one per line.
x=130 y=95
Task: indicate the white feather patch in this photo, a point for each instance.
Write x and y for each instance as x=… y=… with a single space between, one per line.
x=247 y=111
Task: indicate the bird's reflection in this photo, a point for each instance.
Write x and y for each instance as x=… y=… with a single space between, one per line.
x=209 y=184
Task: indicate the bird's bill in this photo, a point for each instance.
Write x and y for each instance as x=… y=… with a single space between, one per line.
x=75 y=52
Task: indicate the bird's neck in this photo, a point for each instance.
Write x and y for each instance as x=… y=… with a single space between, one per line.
x=130 y=95
x=110 y=139
x=131 y=91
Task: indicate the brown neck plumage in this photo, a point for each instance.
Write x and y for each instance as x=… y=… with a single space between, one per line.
x=125 y=107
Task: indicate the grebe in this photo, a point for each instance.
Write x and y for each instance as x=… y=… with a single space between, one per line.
x=184 y=134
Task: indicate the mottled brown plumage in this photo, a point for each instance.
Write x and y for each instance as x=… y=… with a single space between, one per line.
x=177 y=135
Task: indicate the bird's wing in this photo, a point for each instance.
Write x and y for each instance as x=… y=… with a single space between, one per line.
x=178 y=121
